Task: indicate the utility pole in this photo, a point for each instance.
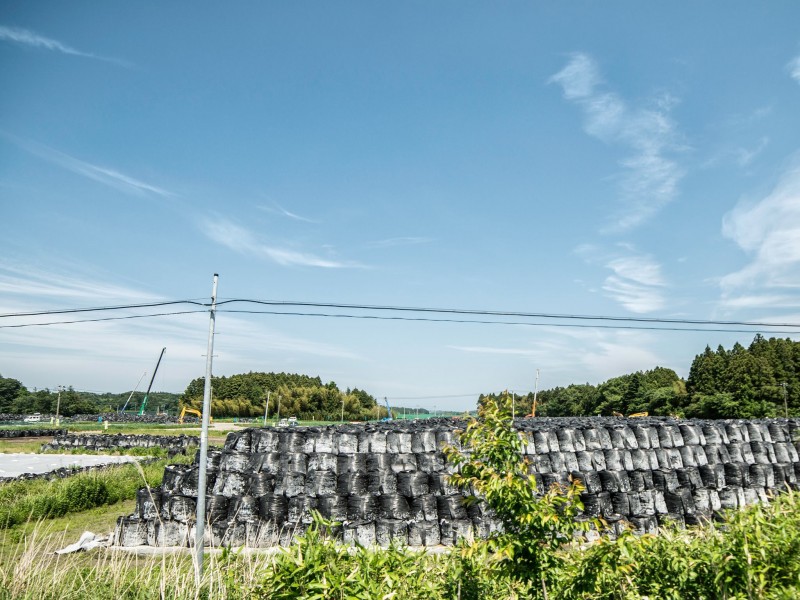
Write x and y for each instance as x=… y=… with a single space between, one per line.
x=535 y=391
x=279 y=408
x=266 y=410
x=58 y=405
x=199 y=540
x=785 y=403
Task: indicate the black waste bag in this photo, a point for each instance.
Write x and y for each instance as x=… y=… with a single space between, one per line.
x=391 y=530
x=412 y=484
x=394 y=506
x=362 y=508
x=333 y=508
x=424 y=508
x=451 y=507
x=352 y=484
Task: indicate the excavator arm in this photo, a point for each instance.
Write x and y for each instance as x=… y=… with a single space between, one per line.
x=192 y=411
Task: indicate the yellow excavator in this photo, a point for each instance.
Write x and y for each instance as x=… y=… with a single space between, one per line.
x=634 y=415
x=192 y=411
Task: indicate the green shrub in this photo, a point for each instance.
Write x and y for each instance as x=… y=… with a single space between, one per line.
x=317 y=567
x=753 y=553
x=535 y=525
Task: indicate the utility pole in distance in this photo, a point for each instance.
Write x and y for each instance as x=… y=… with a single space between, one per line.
x=58 y=405
x=785 y=403
x=199 y=540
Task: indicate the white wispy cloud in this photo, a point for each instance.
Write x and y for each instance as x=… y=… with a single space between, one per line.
x=794 y=68
x=279 y=210
x=636 y=282
x=68 y=283
x=31 y=39
x=745 y=156
x=102 y=174
x=768 y=231
x=495 y=350
x=650 y=177
x=760 y=301
x=242 y=240
x=561 y=352
x=398 y=241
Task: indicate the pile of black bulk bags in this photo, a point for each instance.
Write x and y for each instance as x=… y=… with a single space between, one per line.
x=388 y=482
x=101 y=441
x=21 y=433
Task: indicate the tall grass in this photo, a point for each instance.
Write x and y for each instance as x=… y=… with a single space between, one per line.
x=34 y=573
x=753 y=554
x=31 y=500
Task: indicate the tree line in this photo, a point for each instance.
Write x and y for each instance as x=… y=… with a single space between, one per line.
x=282 y=394
x=762 y=380
x=17 y=399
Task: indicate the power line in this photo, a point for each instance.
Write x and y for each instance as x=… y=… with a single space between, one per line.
x=482 y=322
x=497 y=313
x=393 y=398
x=99 y=319
x=65 y=311
x=425 y=310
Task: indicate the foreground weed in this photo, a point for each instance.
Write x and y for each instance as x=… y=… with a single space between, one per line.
x=753 y=553
x=536 y=525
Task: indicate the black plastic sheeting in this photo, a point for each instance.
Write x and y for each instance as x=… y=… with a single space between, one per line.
x=389 y=482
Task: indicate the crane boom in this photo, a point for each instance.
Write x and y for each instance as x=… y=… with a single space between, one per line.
x=152 y=379
x=389 y=416
x=133 y=392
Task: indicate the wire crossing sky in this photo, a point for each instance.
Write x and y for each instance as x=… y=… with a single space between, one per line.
x=621 y=181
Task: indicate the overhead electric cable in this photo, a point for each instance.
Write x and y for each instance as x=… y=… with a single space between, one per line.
x=496 y=313
x=427 y=310
x=167 y=314
x=483 y=322
x=65 y=311
x=434 y=397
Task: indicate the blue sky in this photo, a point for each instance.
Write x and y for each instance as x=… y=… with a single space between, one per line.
x=624 y=159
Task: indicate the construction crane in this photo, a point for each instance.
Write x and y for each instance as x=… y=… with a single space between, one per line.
x=133 y=392
x=389 y=416
x=152 y=379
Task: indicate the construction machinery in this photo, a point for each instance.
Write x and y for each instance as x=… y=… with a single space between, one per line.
x=192 y=411
x=389 y=416
x=152 y=379
x=631 y=416
x=124 y=406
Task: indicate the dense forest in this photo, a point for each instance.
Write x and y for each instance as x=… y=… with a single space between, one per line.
x=762 y=380
x=301 y=396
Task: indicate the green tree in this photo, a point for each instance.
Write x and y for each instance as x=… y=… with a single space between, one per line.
x=536 y=525
x=9 y=390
